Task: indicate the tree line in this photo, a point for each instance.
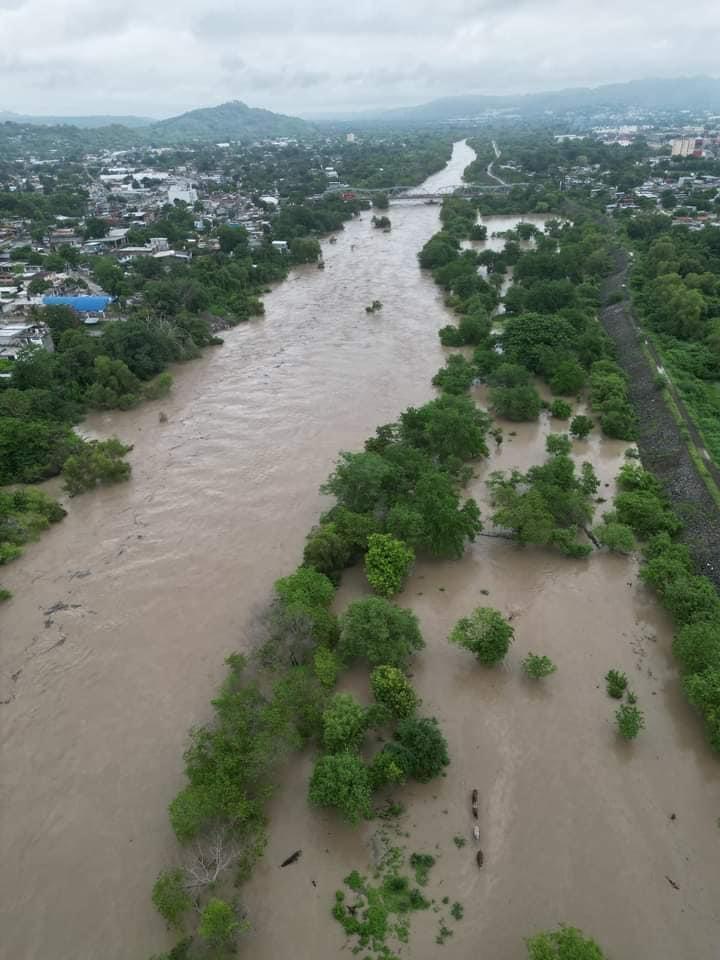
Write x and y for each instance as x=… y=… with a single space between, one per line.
x=676 y=292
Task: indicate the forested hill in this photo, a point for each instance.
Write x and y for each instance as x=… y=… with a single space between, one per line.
x=229 y=121
x=667 y=94
x=233 y=121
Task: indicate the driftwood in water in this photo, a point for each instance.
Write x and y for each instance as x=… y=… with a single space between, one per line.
x=293 y=858
x=591 y=536
x=474 y=801
x=480 y=858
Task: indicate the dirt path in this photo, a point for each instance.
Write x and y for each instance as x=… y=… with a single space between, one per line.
x=661 y=445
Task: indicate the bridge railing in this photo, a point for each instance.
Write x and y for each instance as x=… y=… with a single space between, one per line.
x=418 y=193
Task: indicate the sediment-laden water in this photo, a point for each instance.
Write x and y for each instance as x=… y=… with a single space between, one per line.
x=123 y=614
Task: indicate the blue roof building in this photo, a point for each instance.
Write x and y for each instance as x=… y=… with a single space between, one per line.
x=81 y=304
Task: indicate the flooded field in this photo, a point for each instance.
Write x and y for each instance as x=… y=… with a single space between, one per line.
x=123 y=614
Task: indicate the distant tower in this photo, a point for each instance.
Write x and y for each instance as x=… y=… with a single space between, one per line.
x=350 y=138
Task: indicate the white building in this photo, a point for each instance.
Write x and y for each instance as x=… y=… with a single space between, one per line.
x=16 y=336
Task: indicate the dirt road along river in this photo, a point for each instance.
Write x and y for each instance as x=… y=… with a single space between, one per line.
x=123 y=614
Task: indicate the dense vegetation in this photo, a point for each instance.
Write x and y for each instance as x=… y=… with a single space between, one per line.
x=393 y=161
x=399 y=495
x=676 y=291
x=690 y=598
x=24 y=514
x=550 y=505
x=550 y=327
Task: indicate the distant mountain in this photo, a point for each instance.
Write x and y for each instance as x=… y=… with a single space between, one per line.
x=230 y=121
x=84 y=123
x=683 y=93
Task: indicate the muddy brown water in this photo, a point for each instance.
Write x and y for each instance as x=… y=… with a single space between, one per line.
x=123 y=614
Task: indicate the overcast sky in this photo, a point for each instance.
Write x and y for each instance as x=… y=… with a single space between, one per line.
x=160 y=57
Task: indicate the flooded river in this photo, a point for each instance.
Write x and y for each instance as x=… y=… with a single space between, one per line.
x=123 y=614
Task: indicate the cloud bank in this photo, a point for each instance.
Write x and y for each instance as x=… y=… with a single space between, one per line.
x=310 y=56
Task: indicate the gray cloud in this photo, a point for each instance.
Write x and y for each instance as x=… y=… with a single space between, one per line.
x=73 y=56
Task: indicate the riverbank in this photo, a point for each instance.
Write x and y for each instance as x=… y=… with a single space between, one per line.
x=663 y=449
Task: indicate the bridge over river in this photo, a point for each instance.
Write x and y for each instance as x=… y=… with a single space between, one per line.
x=421 y=193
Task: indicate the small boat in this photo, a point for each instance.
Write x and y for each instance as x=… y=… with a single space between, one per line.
x=333 y=240
x=321 y=264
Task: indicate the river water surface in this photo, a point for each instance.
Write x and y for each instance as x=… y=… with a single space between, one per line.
x=123 y=614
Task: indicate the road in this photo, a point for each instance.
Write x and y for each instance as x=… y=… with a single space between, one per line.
x=490 y=165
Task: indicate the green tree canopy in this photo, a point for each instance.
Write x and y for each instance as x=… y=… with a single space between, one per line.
x=344 y=723
x=341 y=780
x=381 y=633
x=486 y=633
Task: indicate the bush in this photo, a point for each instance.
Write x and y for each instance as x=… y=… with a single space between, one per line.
x=326 y=551
x=342 y=780
x=300 y=618
x=344 y=723
x=218 y=923
x=450 y=336
x=306 y=589
x=558 y=443
x=393 y=690
x=537 y=667
x=385 y=769
x=581 y=426
x=170 y=897
x=159 y=387
x=616 y=683
x=387 y=563
x=568 y=378
x=690 y=599
x=567 y=943
x=516 y=403
x=509 y=375
x=646 y=512
x=24 y=513
x=617 y=537
x=327 y=666
x=457 y=376
x=560 y=409
x=189 y=810
x=485 y=633
x=353 y=528
x=378 y=631
x=95 y=462
x=697 y=647
x=420 y=748
x=703 y=691
x=630 y=721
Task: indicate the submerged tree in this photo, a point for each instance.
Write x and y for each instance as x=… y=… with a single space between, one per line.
x=342 y=780
x=567 y=943
x=486 y=633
